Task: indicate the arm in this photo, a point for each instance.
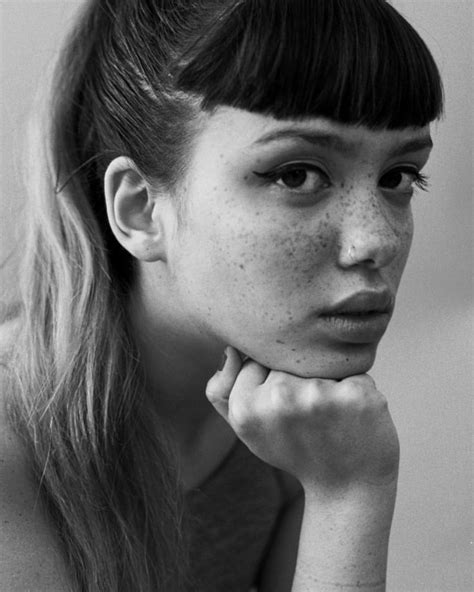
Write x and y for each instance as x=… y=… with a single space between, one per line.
x=344 y=542
x=340 y=540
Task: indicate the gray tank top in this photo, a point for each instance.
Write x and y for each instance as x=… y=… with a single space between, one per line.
x=232 y=518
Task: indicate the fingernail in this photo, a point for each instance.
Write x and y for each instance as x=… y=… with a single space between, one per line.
x=223 y=361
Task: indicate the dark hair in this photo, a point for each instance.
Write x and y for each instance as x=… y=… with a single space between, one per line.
x=137 y=72
x=356 y=62
x=133 y=79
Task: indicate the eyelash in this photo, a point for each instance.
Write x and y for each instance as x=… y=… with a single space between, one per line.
x=421 y=181
x=276 y=174
x=321 y=183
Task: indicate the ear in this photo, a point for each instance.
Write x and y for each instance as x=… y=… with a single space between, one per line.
x=137 y=214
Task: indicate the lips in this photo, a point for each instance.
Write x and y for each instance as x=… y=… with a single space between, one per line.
x=362 y=303
x=361 y=318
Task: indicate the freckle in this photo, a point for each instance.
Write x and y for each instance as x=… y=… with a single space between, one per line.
x=298 y=361
x=281 y=342
x=293 y=349
x=242 y=266
x=347 y=359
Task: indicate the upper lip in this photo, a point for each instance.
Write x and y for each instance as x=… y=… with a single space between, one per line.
x=368 y=301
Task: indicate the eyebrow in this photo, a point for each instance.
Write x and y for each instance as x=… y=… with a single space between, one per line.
x=413 y=146
x=337 y=143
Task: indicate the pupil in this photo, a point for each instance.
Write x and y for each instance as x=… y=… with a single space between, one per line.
x=393 y=180
x=295 y=178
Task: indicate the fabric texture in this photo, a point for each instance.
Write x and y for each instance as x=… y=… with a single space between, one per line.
x=232 y=518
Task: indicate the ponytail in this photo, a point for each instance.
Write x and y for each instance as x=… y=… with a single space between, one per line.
x=103 y=462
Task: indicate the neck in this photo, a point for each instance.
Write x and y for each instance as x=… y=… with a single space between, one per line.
x=178 y=359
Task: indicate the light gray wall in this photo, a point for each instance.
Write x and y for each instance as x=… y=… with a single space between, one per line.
x=425 y=362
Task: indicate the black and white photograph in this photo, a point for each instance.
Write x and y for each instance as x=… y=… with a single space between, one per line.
x=236 y=295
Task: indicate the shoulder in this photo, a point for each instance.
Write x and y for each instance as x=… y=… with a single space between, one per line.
x=29 y=554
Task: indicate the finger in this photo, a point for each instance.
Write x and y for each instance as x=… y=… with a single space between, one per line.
x=245 y=398
x=220 y=385
x=358 y=390
x=363 y=380
x=250 y=377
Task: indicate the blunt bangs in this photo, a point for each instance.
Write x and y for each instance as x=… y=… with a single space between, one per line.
x=353 y=61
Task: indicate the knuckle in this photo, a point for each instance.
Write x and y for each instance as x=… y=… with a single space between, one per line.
x=290 y=400
x=282 y=398
x=280 y=394
x=360 y=381
x=314 y=397
x=242 y=419
x=356 y=390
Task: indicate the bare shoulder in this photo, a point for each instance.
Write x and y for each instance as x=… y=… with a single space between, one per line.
x=29 y=556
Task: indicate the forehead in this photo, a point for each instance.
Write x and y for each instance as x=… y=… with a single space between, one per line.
x=230 y=129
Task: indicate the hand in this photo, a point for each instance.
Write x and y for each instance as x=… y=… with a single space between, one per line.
x=328 y=434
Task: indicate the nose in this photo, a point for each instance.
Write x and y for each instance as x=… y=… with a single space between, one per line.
x=370 y=234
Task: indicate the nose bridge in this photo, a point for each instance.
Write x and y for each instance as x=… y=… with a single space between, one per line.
x=368 y=235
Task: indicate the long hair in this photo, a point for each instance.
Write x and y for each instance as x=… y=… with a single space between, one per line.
x=132 y=80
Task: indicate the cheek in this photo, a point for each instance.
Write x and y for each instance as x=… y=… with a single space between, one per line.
x=402 y=234
x=274 y=260
x=405 y=235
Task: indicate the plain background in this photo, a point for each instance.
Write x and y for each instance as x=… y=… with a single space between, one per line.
x=425 y=363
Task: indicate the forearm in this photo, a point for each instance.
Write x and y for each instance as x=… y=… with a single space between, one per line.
x=344 y=541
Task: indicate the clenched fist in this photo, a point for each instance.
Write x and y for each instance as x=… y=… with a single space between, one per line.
x=330 y=435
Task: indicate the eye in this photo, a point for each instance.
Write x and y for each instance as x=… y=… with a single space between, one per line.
x=404 y=180
x=298 y=178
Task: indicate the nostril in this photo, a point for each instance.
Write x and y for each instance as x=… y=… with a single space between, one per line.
x=365 y=252
x=351 y=254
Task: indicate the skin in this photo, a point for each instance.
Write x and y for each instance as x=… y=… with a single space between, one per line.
x=251 y=263
x=272 y=259
x=255 y=262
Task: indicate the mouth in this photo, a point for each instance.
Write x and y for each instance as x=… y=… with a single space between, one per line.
x=363 y=303
x=361 y=318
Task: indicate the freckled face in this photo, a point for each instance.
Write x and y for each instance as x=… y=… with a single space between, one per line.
x=284 y=221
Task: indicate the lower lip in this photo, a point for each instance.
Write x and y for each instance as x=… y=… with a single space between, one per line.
x=356 y=328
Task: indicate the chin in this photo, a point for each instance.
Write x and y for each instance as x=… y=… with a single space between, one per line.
x=334 y=365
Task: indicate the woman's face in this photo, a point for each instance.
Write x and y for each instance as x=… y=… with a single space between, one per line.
x=295 y=236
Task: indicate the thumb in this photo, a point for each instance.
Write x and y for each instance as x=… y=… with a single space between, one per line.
x=220 y=386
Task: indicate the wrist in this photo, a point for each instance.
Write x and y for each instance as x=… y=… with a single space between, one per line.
x=361 y=507
x=345 y=537
x=357 y=491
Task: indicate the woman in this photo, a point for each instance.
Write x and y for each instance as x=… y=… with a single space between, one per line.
x=213 y=177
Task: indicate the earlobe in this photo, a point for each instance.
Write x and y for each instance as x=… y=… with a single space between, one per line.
x=132 y=211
